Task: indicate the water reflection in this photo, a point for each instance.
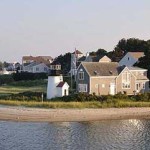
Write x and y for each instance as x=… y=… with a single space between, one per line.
x=105 y=135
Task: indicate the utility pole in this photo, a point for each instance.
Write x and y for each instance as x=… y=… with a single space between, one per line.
x=42 y=97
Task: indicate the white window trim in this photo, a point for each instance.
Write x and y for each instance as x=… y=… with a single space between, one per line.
x=128 y=82
x=82 y=87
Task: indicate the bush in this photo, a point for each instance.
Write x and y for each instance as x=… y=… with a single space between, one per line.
x=29 y=83
x=29 y=76
x=82 y=97
x=25 y=96
x=142 y=97
x=4 y=79
x=121 y=96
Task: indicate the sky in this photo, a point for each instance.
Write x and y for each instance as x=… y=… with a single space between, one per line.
x=54 y=27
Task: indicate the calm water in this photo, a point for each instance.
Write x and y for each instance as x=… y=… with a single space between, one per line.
x=104 y=135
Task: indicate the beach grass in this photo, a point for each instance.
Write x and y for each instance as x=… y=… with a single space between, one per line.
x=91 y=104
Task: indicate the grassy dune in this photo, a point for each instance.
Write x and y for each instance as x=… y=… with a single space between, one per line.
x=93 y=104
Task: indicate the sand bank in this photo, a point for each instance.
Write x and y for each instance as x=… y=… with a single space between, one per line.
x=52 y=115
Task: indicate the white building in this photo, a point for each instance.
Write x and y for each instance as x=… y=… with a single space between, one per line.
x=56 y=87
x=130 y=58
x=36 y=67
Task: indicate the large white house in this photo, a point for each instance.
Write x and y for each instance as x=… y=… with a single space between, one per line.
x=131 y=58
x=36 y=67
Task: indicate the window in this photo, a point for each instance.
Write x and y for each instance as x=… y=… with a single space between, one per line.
x=142 y=73
x=103 y=85
x=126 y=78
x=143 y=85
x=128 y=58
x=82 y=87
x=37 y=68
x=45 y=69
x=81 y=75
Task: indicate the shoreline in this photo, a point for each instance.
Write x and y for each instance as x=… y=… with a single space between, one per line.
x=25 y=114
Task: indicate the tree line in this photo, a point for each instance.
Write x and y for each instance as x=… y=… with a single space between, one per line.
x=122 y=47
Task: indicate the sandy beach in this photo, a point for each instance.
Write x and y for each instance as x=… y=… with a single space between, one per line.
x=64 y=115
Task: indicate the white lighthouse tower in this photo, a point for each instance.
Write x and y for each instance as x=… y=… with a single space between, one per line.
x=56 y=87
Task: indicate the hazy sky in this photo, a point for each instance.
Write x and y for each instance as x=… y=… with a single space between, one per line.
x=54 y=27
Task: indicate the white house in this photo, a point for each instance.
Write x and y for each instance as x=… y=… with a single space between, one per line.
x=56 y=87
x=130 y=58
x=62 y=89
x=36 y=67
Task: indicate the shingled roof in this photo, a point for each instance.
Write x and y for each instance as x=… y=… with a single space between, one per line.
x=60 y=84
x=39 y=59
x=102 y=69
x=136 y=55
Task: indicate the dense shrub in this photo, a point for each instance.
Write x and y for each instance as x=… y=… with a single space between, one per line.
x=5 y=79
x=29 y=83
x=25 y=96
x=121 y=96
x=29 y=76
x=142 y=97
x=82 y=97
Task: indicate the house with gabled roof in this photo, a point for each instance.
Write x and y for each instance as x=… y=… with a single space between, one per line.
x=131 y=58
x=103 y=78
x=39 y=59
x=36 y=67
x=77 y=57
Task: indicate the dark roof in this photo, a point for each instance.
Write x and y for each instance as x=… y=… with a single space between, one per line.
x=82 y=58
x=97 y=58
x=102 y=69
x=60 y=84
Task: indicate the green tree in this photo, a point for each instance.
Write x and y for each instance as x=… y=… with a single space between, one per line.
x=1 y=65
x=144 y=62
x=5 y=64
x=132 y=45
x=99 y=52
x=65 y=61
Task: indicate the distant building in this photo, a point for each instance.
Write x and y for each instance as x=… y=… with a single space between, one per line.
x=36 y=67
x=77 y=57
x=131 y=58
x=56 y=87
x=36 y=64
x=40 y=59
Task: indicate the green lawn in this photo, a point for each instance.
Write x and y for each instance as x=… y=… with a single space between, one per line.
x=23 y=86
